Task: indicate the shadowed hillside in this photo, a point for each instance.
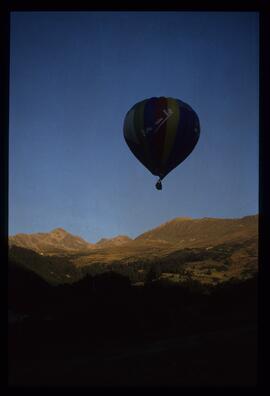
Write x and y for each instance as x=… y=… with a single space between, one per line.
x=53 y=269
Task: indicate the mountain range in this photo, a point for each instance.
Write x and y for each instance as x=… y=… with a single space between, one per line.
x=180 y=232
x=198 y=245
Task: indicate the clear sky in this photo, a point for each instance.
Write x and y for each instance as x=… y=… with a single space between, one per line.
x=74 y=75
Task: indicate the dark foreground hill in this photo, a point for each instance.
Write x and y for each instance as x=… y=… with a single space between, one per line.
x=102 y=331
x=149 y=312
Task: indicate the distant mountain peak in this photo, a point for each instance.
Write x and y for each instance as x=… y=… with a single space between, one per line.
x=56 y=241
x=118 y=240
x=102 y=240
x=59 y=230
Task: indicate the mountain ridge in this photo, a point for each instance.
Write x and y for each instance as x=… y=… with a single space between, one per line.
x=53 y=242
x=180 y=232
x=205 y=228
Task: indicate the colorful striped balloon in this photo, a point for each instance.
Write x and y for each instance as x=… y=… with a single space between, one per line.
x=161 y=133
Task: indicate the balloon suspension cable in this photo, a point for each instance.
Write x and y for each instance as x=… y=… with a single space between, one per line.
x=159 y=184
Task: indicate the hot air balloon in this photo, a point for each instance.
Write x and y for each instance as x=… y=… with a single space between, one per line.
x=161 y=133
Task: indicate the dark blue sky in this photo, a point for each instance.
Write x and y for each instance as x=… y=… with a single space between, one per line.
x=73 y=78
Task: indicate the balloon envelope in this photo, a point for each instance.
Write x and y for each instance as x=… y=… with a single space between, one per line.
x=161 y=133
